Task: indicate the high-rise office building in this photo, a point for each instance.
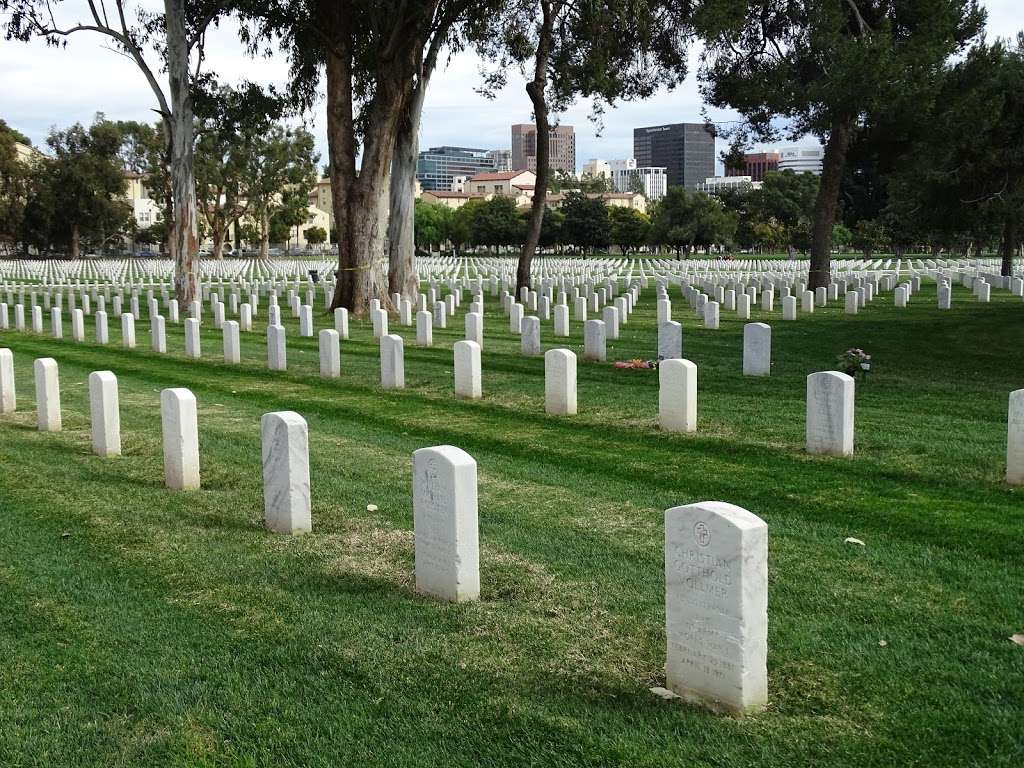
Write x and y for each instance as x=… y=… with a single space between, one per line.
x=755 y=165
x=597 y=169
x=685 y=150
x=627 y=177
x=501 y=158
x=437 y=166
x=802 y=159
x=561 y=148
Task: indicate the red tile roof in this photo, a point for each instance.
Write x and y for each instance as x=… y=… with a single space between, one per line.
x=498 y=175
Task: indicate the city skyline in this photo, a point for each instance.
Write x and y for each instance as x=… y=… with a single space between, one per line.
x=86 y=78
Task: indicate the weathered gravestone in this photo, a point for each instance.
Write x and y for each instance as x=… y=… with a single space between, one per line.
x=677 y=395
x=670 y=340
x=716 y=606
x=105 y=414
x=1015 y=439
x=445 y=522
x=757 y=349
x=180 y=425
x=830 y=413
x=47 y=395
x=530 y=342
x=286 y=495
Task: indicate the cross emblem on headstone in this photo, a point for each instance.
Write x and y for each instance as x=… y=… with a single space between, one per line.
x=702 y=534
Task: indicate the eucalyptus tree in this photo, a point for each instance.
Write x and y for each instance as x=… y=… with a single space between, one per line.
x=233 y=136
x=454 y=23
x=824 y=67
x=178 y=37
x=604 y=50
x=371 y=56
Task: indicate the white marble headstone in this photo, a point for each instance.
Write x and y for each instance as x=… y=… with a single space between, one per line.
x=445 y=521
x=716 y=606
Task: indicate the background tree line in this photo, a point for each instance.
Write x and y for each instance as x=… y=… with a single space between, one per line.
x=858 y=74
x=253 y=175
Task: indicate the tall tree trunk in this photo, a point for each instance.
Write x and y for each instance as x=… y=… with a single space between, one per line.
x=535 y=89
x=401 y=226
x=827 y=202
x=360 y=201
x=220 y=232
x=184 y=227
x=1009 y=245
x=76 y=242
x=264 y=235
x=341 y=151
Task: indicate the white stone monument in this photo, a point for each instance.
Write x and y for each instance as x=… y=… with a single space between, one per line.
x=716 y=606
x=530 y=342
x=830 y=413
x=1015 y=439
x=8 y=398
x=392 y=362
x=467 y=369
x=47 y=394
x=677 y=395
x=670 y=340
x=560 y=382
x=128 y=330
x=286 y=493
x=445 y=522
x=105 y=414
x=341 y=322
x=192 y=338
x=277 y=351
x=594 y=341
x=757 y=349
x=179 y=419
x=330 y=353
x=232 y=344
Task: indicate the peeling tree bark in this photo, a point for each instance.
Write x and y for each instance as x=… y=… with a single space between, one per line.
x=183 y=238
x=402 y=223
x=360 y=201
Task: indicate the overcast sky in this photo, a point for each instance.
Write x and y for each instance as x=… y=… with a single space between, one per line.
x=42 y=87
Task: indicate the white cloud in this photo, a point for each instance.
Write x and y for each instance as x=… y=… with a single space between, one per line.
x=42 y=87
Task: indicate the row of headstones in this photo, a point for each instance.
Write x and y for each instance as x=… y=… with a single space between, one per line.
x=757 y=337
x=830 y=395
x=715 y=554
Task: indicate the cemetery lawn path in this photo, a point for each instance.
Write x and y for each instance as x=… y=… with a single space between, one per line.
x=144 y=627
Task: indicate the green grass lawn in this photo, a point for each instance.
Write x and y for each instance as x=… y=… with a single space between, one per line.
x=144 y=627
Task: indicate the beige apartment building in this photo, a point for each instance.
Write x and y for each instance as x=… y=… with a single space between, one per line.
x=634 y=200
x=509 y=183
x=320 y=197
